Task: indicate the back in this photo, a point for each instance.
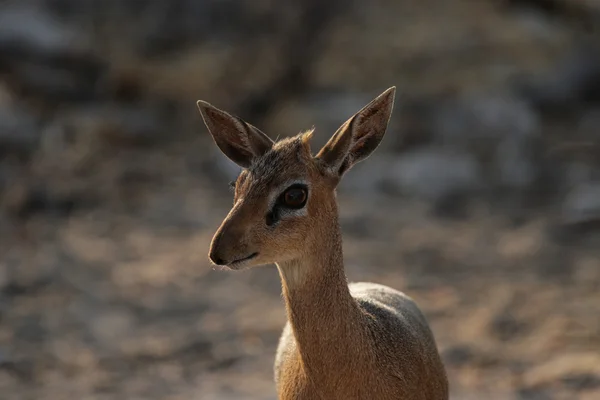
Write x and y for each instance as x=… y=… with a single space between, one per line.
x=402 y=340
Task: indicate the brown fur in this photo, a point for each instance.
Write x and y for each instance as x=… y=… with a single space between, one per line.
x=357 y=341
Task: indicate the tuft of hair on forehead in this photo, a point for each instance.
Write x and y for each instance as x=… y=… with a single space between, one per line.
x=301 y=140
x=305 y=138
x=285 y=152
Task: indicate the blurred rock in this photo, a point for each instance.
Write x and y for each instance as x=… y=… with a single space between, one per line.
x=558 y=6
x=459 y=355
x=19 y=131
x=368 y=178
x=118 y=124
x=582 y=204
x=589 y=132
x=432 y=174
x=69 y=80
x=4 y=279
x=578 y=173
x=31 y=329
x=444 y=178
x=535 y=393
x=31 y=32
x=582 y=381
x=21 y=369
x=45 y=57
x=506 y=327
x=40 y=199
x=535 y=21
x=412 y=123
x=179 y=23
x=515 y=163
x=575 y=79
x=456 y=54
x=357 y=226
x=502 y=132
x=483 y=119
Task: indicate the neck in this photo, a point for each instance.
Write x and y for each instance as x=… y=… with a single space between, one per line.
x=325 y=319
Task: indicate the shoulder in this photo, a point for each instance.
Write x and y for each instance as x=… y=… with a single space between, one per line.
x=377 y=293
x=389 y=308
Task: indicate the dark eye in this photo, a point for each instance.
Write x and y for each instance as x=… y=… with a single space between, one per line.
x=294 y=197
x=232 y=185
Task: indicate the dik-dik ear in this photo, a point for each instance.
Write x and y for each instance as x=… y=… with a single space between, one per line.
x=237 y=139
x=358 y=137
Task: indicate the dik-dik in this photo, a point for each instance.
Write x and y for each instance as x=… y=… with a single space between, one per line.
x=342 y=341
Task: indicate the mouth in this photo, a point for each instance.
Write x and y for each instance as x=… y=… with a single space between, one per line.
x=237 y=263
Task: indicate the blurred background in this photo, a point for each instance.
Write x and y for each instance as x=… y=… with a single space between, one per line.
x=482 y=203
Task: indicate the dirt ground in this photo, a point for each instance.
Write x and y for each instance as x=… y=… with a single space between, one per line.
x=120 y=302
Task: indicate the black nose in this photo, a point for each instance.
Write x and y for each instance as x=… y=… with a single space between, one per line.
x=216 y=259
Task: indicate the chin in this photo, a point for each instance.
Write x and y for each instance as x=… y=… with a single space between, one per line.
x=243 y=265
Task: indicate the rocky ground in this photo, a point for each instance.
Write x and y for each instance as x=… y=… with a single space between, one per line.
x=483 y=202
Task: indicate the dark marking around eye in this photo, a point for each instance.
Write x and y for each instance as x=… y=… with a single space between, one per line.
x=272 y=217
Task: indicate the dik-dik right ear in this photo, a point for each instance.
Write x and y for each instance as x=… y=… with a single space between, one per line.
x=358 y=137
x=237 y=139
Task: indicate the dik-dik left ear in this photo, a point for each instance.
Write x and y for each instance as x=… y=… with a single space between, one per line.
x=358 y=137
x=237 y=139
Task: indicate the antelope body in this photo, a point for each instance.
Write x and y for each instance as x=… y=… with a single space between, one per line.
x=357 y=341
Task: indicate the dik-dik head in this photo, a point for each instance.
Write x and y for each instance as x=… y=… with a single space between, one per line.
x=285 y=197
